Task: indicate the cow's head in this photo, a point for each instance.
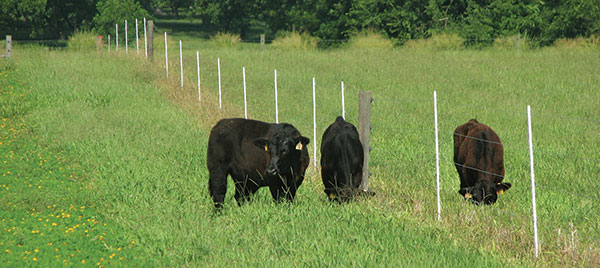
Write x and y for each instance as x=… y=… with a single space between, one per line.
x=484 y=192
x=284 y=151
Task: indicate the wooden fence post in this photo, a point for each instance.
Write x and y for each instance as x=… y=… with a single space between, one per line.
x=262 y=42
x=518 y=45
x=8 y=46
x=364 y=131
x=150 y=39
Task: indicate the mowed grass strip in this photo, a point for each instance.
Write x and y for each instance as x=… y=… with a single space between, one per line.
x=46 y=215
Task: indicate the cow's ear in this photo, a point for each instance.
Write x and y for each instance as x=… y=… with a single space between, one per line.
x=466 y=192
x=501 y=187
x=262 y=143
x=301 y=142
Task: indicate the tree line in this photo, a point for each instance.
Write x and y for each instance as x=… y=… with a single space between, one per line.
x=477 y=22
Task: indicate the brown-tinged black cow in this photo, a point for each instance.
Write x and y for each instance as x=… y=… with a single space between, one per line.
x=255 y=154
x=341 y=160
x=479 y=160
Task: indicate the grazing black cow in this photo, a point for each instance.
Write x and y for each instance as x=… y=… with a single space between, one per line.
x=255 y=154
x=341 y=160
x=479 y=160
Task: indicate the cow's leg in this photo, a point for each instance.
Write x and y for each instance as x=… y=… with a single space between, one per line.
x=244 y=187
x=328 y=181
x=217 y=185
x=242 y=193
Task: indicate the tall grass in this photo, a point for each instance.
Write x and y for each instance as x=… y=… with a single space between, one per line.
x=441 y=41
x=225 y=40
x=295 y=40
x=138 y=141
x=510 y=42
x=369 y=39
x=82 y=41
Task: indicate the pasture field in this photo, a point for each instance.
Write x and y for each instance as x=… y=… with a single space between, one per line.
x=126 y=148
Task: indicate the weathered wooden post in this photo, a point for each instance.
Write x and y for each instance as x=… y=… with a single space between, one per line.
x=364 y=132
x=517 y=41
x=8 y=46
x=99 y=44
x=262 y=42
x=150 y=39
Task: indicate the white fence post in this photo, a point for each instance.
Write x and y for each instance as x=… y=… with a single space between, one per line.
x=117 y=37
x=314 y=123
x=137 y=38
x=109 y=43
x=126 y=43
x=276 y=108
x=535 y=232
x=245 y=102
x=181 y=63
x=145 y=39
x=343 y=103
x=198 y=68
x=166 y=56
x=219 y=72
x=437 y=158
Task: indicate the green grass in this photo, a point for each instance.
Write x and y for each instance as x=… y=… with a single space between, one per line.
x=135 y=144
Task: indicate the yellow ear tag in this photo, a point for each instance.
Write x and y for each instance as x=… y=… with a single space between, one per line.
x=266 y=148
x=468 y=196
x=501 y=191
x=299 y=146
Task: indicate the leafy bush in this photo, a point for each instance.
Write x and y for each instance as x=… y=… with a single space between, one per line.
x=295 y=40
x=82 y=41
x=437 y=41
x=369 y=39
x=226 y=40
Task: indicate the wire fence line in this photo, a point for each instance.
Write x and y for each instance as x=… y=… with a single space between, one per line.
x=479 y=139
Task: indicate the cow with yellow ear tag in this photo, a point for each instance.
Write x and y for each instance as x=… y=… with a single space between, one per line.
x=255 y=154
x=479 y=160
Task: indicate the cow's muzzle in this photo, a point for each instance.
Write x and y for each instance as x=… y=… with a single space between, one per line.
x=272 y=171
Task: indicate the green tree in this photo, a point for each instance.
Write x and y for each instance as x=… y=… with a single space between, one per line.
x=232 y=16
x=486 y=20
x=174 y=5
x=51 y=18
x=569 y=19
x=111 y=12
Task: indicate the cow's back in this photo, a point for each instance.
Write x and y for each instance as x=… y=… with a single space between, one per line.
x=478 y=150
x=341 y=153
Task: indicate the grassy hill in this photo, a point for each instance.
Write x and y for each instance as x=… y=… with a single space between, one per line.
x=103 y=158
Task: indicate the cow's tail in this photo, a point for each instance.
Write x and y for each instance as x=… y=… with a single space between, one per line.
x=344 y=170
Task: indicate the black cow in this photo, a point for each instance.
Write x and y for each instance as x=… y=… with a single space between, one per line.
x=341 y=160
x=255 y=154
x=479 y=160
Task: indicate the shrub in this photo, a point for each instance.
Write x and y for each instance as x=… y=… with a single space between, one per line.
x=226 y=40
x=437 y=41
x=370 y=39
x=82 y=41
x=510 y=42
x=295 y=40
